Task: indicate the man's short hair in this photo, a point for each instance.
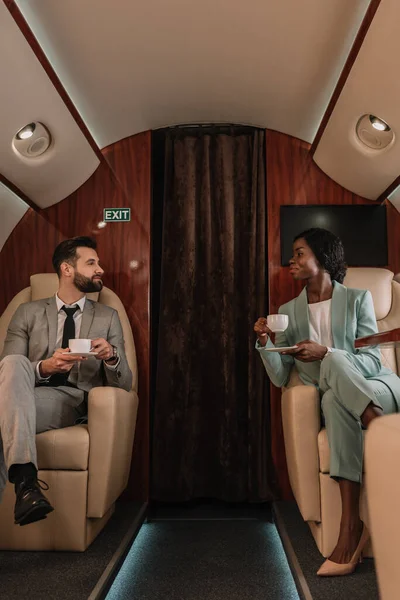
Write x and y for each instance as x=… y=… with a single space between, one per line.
x=66 y=251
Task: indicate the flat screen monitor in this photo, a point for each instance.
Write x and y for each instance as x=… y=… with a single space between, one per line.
x=362 y=229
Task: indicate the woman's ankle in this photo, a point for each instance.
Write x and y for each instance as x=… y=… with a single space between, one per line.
x=370 y=413
x=351 y=524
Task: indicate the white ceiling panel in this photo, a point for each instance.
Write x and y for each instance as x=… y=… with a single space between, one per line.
x=373 y=87
x=27 y=95
x=132 y=66
x=12 y=209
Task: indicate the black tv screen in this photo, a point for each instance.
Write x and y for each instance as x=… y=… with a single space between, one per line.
x=362 y=229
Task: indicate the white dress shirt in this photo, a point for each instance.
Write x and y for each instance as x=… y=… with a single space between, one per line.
x=320 y=319
x=62 y=315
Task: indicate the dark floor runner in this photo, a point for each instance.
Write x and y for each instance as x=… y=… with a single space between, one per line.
x=63 y=575
x=205 y=556
x=361 y=585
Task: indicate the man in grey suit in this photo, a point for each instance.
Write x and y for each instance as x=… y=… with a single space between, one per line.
x=42 y=385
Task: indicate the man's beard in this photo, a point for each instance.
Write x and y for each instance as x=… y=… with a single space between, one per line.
x=87 y=285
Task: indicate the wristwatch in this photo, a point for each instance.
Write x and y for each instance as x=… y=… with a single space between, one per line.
x=328 y=350
x=114 y=354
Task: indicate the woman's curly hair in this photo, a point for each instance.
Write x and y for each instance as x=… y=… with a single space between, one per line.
x=328 y=250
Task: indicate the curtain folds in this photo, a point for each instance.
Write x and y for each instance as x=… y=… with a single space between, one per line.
x=211 y=414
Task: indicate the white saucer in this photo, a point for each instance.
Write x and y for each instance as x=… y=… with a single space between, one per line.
x=283 y=349
x=84 y=354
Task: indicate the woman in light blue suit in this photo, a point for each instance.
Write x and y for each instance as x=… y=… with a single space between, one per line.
x=324 y=321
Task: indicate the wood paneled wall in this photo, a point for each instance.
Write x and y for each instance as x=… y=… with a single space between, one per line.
x=122 y=180
x=393 y=228
x=293 y=178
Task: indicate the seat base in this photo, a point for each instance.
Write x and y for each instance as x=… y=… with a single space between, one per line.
x=66 y=528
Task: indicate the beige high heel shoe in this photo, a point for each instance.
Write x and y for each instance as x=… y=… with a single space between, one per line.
x=332 y=569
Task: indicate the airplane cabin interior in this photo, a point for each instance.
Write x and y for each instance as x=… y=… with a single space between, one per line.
x=199 y=300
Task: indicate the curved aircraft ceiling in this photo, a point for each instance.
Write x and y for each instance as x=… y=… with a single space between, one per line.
x=27 y=95
x=133 y=66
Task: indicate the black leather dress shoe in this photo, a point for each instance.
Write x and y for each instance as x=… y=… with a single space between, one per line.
x=31 y=505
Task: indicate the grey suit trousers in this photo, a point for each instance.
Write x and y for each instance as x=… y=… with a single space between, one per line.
x=346 y=393
x=26 y=410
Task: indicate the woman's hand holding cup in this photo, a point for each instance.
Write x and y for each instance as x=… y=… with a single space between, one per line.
x=265 y=326
x=262 y=330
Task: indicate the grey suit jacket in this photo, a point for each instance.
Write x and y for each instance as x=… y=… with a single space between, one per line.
x=33 y=331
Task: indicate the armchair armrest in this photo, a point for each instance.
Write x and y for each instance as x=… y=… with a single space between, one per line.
x=382 y=448
x=112 y=416
x=301 y=425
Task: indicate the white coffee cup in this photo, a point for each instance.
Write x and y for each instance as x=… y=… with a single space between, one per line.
x=79 y=345
x=277 y=322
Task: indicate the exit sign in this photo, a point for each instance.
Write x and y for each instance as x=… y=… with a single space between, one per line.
x=116 y=215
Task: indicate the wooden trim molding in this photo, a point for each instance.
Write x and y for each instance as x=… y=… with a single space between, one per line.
x=388 y=338
x=42 y=58
x=351 y=59
x=18 y=193
x=393 y=228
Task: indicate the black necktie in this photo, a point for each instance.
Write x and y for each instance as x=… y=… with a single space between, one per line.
x=69 y=325
x=68 y=334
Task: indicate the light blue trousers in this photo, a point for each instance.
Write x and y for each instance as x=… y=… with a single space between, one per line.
x=345 y=395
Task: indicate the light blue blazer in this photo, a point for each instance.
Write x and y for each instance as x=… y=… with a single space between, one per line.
x=353 y=316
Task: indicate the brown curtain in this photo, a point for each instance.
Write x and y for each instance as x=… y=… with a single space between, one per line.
x=211 y=412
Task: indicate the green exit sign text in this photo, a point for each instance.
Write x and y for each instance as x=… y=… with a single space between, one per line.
x=116 y=214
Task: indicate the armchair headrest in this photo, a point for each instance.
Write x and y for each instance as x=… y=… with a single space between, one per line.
x=378 y=281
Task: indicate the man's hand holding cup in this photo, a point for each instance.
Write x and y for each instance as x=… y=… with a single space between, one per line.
x=60 y=362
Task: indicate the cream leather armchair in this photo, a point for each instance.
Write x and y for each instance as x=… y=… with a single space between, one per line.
x=382 y=451
x=86 y=466
x=306 y=443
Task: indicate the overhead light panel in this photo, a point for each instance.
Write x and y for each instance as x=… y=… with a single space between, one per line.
x=374 y=132
x=32 y=140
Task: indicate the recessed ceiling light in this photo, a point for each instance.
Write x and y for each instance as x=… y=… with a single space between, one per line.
x=26 y=132
x=378 y=123
x=374 y=132
x=32 y=140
